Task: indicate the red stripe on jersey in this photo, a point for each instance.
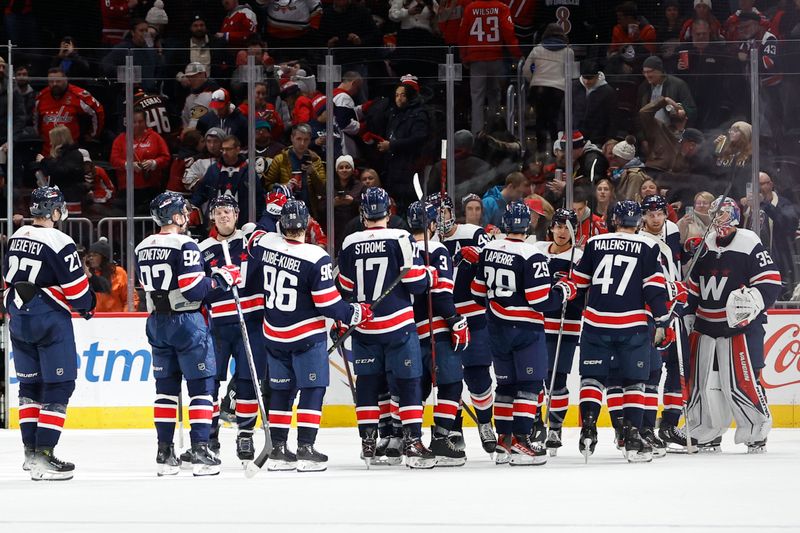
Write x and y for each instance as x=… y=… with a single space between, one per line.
x=551 y=325
x=478 y=287
x=286 y=335
x=56 y=294
x=516 y=314
x=346 y=283
x=52 y=419
x=657 y=278
x=536 y=295
x=766 y=277
x=254 y=303
x=711 y=315
x=580 y=279
x=439 y=326
x=391 y=322
x=692 y=287
x=415 y=273
x=466 y=309
x=629 y=319
x=325 y=297
x=76 y=288
x=189 y=279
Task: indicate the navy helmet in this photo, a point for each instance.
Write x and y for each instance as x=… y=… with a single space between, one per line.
x=223 y=200
x=420 y=216
x=294 y=216
x=47 y=200
x=627 y=214
x=165 y=206
x=561 y=216
x=445 y=211
x=654 y=202
x=517 y=218
x=375 y=203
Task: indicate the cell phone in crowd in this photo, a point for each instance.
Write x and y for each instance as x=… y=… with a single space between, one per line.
x=306 y=159
x=689 y=211
x=340 y=193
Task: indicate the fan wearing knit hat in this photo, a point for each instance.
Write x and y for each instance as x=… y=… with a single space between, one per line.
x=702 y=11
x=627 y=170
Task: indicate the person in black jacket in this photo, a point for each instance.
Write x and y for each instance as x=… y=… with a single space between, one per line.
x=594 y=105
x=349 y=29
x=71 y=62
x=64 y=168
x=224 y=115
x=406 y=134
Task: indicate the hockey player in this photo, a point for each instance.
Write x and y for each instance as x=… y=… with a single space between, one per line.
x=450 y=332
x=170 y=268
x=464 y=242
x=730 y=288
x=369 y=263
x=515 y=281
x=225 y=328
x=622 y=273
x=299 y=292
x=44 y=279
x=561 y=257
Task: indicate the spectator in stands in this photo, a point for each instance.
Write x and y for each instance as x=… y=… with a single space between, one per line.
x=348 y=115
x=151 y=159
x=266 y=148
x=349 y=30
x=239 y=24
x=702 y=11
x=63 y=167
x=116 y=20
x=594 y=105
x=24 y=92
x=199 y=48
x=544 y=70
x=70 y=61
x=101 y=188
x=731 y=28
x=659 y=84
x=302 y=170
x=695 y=222
x=370 y=178
x=195 y=77
x=109 y=280
x=472 y=209
x=472 y=173
x=229 y=176
x=663 y=140
x=265 y=110
x=19 y=116
x=668 y=29
x=209 y=155
x=627 y=172
x=407 y=132
x=303 y=108
x=418 y=28
x=157 y=21
x=189 y=151
x=779 y=219
x=484 y=51
x=144 y=56
x=292 y=24
x=62 y=103
x=734 y=158
x=589 y=224
x=497 y=198
x=258 y=49
x=604 y=199
x=589 y=165
x=632 y=29
x=348 y=197
x=225 y=116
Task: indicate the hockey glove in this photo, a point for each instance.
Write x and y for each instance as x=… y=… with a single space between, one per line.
x=470 y=254
x=677 y=292
x=226 y=276
x=664 y=337
x=433 y=276
x=568 y=289
x=361 y=313
x=337 y=330
x=459 y=332
x=691 y=245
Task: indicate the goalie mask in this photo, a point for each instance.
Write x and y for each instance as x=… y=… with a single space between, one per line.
x=725 y=215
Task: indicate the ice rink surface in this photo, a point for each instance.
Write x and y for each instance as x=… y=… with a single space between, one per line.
x=116 y=490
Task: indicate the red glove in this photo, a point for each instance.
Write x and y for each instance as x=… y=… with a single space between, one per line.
x=370 y=138
x=275 y=201
x=691 y=245
x=433 y=275
x=678 y=292
x=337 y=330
x=470 y=254
x=568 y=289
x=664 y=337
x=361 y=313
x=459 y=332
x=227 y=276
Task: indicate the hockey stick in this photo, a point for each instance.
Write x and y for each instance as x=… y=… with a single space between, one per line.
x=349 y=373
x=425 y=223
x=677 y=325
x=254 y=466
x=561 y=324
x=180 y=418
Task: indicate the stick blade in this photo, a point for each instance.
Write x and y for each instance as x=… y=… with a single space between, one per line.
x=417 y=186
x=255 y=466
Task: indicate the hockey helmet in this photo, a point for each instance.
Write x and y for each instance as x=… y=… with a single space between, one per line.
x=445 y=211
x=375 y=204
x=627 y=214
x=561 y=216
x=654 y=202
x=420 y=216
x=517 y=218
x=165 y=206
x=294 y=216
x=223 y=201
x=725 y=215
x=46 y=200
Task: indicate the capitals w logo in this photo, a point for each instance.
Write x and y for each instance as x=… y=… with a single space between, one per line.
x=712 y=286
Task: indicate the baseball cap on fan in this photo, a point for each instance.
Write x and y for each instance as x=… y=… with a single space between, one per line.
x=219 y=99
x=194 y=68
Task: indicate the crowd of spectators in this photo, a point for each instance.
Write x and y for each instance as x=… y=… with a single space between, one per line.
x=660 y=92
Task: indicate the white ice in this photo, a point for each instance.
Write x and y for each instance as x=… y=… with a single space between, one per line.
x=116 y=490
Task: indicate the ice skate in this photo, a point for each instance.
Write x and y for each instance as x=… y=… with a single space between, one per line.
x=186 y=459
x=168 y=464
x=310 y=460
x=488 y=437
x=389 y=452
x=457 y=439
x=245 y=450
x=47 y=467
x=713 y=446
x=539 y=431
x=675 y=439
x=29 y=453
x=757 y=447
x=213 y=445
x=417 y=455
x=503 y=451
x=527 y=452
x=553 y=442
x=204 y=462
x=658 y=445
x=368 y=447
x=588 y=439
x=446 y=452
x=637 y=449
x=281 y=458
x=619 y=433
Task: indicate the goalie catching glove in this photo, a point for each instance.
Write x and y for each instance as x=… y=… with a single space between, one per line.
x=743 y=305
x=361 y=313
x=226 y=276
x=459 y=332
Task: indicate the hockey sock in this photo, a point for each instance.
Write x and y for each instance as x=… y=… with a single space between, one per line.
x=280 y=414
x=215 y=412
x=504 y=409
x=410 y=394
x=525 y=407
x=367 y=411
x=30 y=403
x=559 y=401
x=634 y=404
x=309 y=413
x=394 y=411
x=165 y=410
x=614 y=398
x=446 y=409
x=479 y=383
x=673 y=397
x=53 y=413
x=201 y=408
x=385 y=420
x=650 y=406
x=246 y=406
x=591 y=398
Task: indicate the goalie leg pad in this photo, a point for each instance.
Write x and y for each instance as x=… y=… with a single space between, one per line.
x=740 y=379
x=709 y=412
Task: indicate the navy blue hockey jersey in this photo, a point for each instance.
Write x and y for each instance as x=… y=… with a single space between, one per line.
x=559 y=267
x=48 y=258
x=299 y=292
x=222 y=306
x=368 y=263
x=172 y=262
x=743 y=262
x=463 y=273
x=513 y=277
x=441 y=297
x=671 y=249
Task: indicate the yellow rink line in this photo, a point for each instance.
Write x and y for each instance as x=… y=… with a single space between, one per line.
x=784 y=416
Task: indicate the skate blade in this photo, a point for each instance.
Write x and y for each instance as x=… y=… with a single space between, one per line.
x=527 y=460
x=636 y=457
x=678 y=449
x=658 y=453
x=245 y=463
x=501 y=458
x=201 y=470
x=387 y=461
x=186 y=464
x=450 y=461
x=251 y=469
x=280 y=466
x=311 y=466
x=51 y=476
x=418 y=463
x=587 y=450
x=756 y=451
x=552 y=451
x=168 y=470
